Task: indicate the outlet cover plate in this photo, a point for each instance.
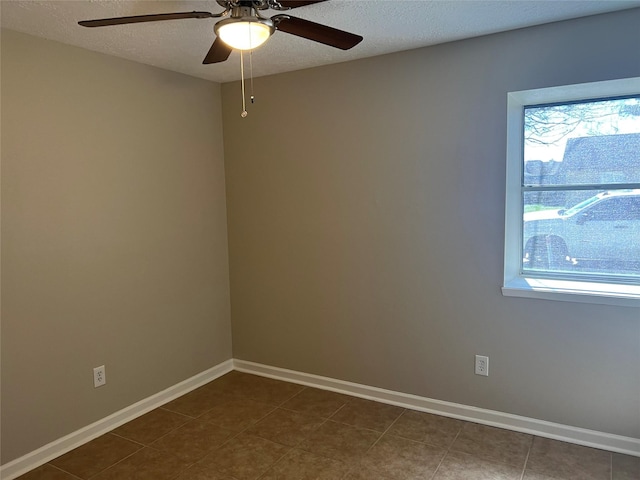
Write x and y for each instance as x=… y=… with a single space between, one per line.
x=482 y=365
x=99 y=376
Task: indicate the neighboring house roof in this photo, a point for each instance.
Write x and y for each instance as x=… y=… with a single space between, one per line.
x=587 y=160
x=612 y=153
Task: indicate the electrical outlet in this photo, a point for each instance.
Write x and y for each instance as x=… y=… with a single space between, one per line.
x=482 y=365
x=99 y=376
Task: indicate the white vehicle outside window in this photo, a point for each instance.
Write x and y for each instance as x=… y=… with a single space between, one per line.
x=572 y=227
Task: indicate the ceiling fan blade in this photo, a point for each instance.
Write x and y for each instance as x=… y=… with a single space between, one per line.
x=316 y=32
x=218 y=52
x=298 y=3
x=103 y=22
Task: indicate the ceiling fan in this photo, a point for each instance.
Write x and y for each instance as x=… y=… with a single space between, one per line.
x=246 y=29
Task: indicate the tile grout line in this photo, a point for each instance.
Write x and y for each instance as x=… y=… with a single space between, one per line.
x=339 y=409
x=64 y=471
x=330 y=419
x=199 y=417
x=244 y=430
x=239 y=432
x=277 y=461
x=293 y=396
x=151 y=446
x=611 y=467
x=447 y=452
x=325 y=420
x=142 y=446
x=526 y=460
x=386 y=430
x=358 y=462
x=290 y=448
x=122 y=459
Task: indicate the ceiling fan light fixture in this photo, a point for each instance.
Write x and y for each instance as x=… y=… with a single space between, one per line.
x=245 y=33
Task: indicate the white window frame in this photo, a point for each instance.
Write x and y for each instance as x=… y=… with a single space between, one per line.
x=517 y=284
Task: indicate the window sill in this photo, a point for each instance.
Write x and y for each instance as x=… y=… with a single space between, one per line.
x=572 y=291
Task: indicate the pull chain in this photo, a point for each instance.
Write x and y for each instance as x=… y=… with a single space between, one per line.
x=251 y=73
x=244 y=106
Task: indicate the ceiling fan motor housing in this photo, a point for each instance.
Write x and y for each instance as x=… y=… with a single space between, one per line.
x=254 y=4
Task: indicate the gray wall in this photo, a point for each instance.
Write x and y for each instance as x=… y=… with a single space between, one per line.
x=114 y=242
x=365 y=207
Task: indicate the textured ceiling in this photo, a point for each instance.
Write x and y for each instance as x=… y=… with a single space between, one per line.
x=387 y=26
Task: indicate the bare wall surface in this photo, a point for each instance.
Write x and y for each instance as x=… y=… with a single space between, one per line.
x=114 y=241
x=366 y=223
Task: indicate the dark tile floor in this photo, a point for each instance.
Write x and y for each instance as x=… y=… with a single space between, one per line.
x=244 y=427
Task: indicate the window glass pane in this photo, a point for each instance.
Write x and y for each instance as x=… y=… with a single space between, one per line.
x=594 y=142
x=572 y=218
x=582 y=232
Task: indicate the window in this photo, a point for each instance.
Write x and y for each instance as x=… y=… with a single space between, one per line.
x=572 y=229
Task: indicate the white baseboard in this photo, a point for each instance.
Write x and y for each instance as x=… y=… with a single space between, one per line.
x=541 y=428
x=63 y=445
x=580 y=436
